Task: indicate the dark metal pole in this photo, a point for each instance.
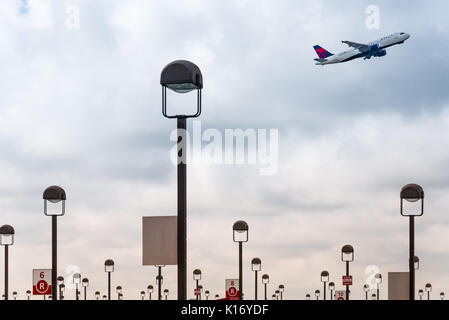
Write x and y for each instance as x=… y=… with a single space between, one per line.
x=6 y=272
x=255 y=291
x=109 y=285
x=149 y=298
x=347 y=287
x=54 y=256
x=197 y=285
x=428 y=295
x=85 y=293
x=159 y=289
x=77 y=293
x=182 y=209
x=378 y=292
x=324 y=291
x=240 y=270
x=366 y=295
x=281 y=295
x=265 y=291
x=332 y=295
x=60 y=292
x=412 y=258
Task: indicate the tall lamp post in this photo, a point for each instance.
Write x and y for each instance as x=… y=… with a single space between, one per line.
x=324 y=280
x=378 y=279
x=265 y=281
x=412 y=193
x=256 y=266
x=85 y=284
x=54 y=194
x=331 y=289
x=109 y=268
x=347 y=255
x=197 y=278
x=428 y=290
x=182 y=76
x=150 y=291
x=366 y=290
x=76 y=282
x=240 y=235
x=60 y=281
x=6 y=239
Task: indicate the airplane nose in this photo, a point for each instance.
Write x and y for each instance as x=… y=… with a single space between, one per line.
x=407 y=36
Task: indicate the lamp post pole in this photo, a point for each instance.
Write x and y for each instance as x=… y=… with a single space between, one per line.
x=159 y=283
x=181 y=76
x=6 y=272
x=6 y=239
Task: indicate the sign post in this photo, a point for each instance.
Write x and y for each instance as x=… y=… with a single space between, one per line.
x=42 y=282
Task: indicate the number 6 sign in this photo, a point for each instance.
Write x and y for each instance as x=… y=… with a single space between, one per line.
x=41 y=282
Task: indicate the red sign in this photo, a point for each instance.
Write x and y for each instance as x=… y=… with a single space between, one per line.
x=232 y=293
x=42 y=282
x=197 y=292
x=347 y=280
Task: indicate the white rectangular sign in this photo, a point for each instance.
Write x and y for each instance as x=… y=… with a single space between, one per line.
x=42 y=282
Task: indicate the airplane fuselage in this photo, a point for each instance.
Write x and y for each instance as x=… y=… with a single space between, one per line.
x=377 y=49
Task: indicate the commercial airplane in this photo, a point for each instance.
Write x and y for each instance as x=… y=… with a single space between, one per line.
x=365 y=51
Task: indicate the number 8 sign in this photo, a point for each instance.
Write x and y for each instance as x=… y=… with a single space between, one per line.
x=232 y=292
x=42 y=282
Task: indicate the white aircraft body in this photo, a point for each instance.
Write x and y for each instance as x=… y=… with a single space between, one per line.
x=365 y=51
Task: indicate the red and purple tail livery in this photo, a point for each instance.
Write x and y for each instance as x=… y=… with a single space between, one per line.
x=322 y=53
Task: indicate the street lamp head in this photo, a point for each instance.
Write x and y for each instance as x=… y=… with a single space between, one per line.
x=317 y=293
x=273 y=297
x=54 y=194
x=324 y=276
x=347 y=253
x=166 y=292
x=14 y=294
x=421 y=292
x=28 y=293
x=281 y=288
x=120 y=296
x=307 y=296
x=373 y=296
x=142 y=294
x=331 y=286
x=197 y=274
x=118 y=289
x=7 y=235
x=85 y=282
x=77 y=278
x=105 y=297
x=150 y=289
x=256 y=264
x=217 y=296
x=97 y=294
x=277 y=293
x=442 y=295
x=159 y=279
x=201 y=288
x=60 y=280
x=265 y=279
x=428 y=287
x=181 y=76
x=109 y=265
x=62 y=287
x=412 y=193
x=378 y=278
x=366 y=287
x=240 y=233
x=416 y=262
x=207 y=293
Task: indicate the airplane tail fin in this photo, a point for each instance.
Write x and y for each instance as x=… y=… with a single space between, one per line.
x=322 y=53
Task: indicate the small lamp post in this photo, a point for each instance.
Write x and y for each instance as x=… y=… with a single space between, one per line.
x=197 y=278
x=281 y=291
x=207 y=293
x=217 y=296
x=60 y=280
x=166 y=294
x=378 y=279
x=28 y=294
x=120 y=296
x=416 y=263
x=412 y=193
x=277 y=293
x=6 y=239
x=54 y=195
x=347 y=255
x=331 y=289
x=14 y=295
x=442 y=295
x=265 y=281
x=428 y=290
x=150 y=291
x=421 y=293
x=307 y=296
x=105 y=297
x=62 y=291
x=273 y=297
x=97 y=295
x=142 y=295
x=317 y=294
x=256 y=266
x=182 y=76
x=324 y=280
x=373 y=296
x=76 y=282
x=119 y=291
x=85 y=283
x=366 y=290
x=200 y=287
x=240 y=235
x=109 y=268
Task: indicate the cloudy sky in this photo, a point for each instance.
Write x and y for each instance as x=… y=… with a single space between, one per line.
x=80 y=108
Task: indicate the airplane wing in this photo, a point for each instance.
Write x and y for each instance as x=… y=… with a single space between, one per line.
x=359 y=46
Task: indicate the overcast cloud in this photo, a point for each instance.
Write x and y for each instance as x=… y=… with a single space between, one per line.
x=80 y=108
